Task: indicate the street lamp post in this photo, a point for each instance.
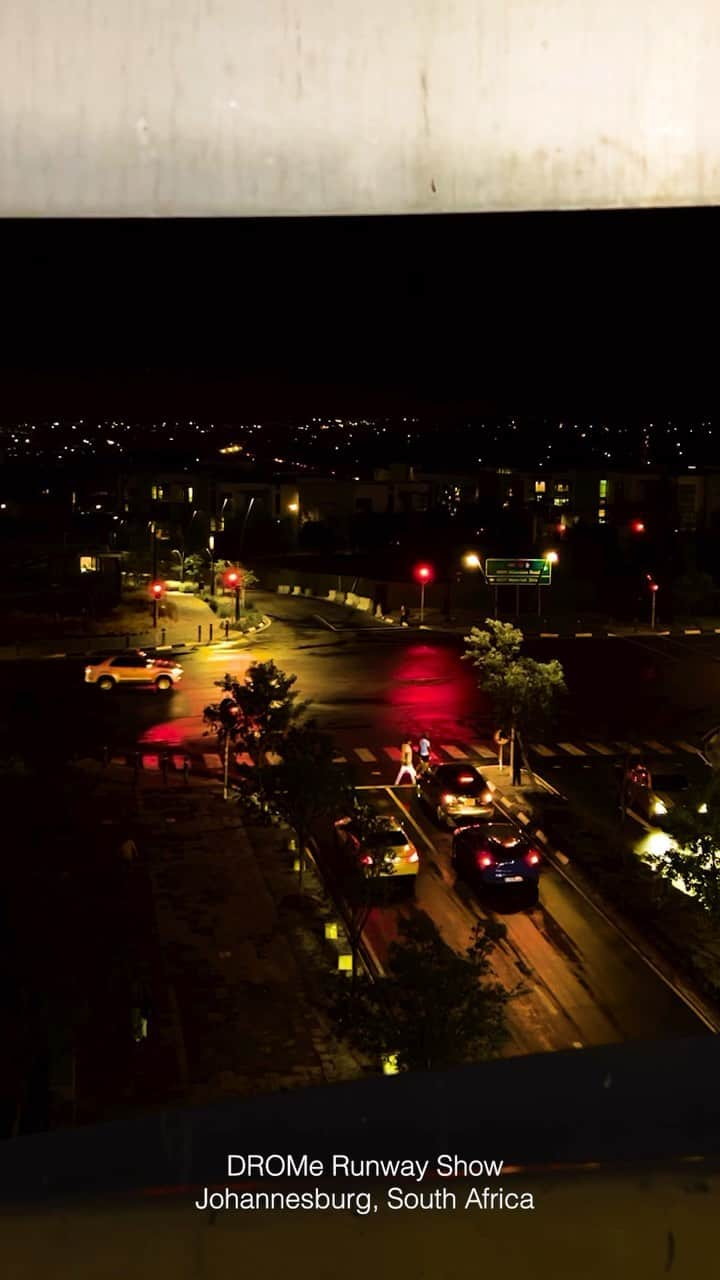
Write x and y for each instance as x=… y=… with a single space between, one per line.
x=211 y=549
x=423 y=573
x=552 y=558
x=654 y=588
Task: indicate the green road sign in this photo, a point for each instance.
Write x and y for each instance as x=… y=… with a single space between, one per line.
x=522 y=571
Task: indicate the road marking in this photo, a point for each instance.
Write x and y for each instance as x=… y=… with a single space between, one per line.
x=630 y=747
x=571 y=749
x=562 y=856
x=227 y=654
x=541 y=749
x=211 y=760
x=454 y=752
x=523 y=818
x=392 y=752
x=485 y=753
x=598 y=746
x=583 y=635
x=549 y=635
x=409 y=818
x=319 y=618
x=339 y=760
x=692 y=631
x=242 y=757
x=685 y=746
x=657 y=746
x=364 y=754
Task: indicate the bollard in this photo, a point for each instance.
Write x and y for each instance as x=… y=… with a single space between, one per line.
x=199 y=634
x=162 y=635
x=127 y=642
x=210 y=629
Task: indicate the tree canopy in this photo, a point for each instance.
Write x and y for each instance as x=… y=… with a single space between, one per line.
x=523 y=691
x=435 y=1008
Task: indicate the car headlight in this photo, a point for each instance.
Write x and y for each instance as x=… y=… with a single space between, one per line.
x=447 y=799
x=659 y=808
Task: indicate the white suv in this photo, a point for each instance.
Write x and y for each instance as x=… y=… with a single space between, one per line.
x=135 y=668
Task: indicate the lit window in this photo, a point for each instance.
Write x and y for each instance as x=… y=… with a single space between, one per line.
x=603 y=489
x=560 y=502
x=88 y=564
x=602 y=515
x=539 y=486
x=561 y=487
x=189 y=493
x=157 y=493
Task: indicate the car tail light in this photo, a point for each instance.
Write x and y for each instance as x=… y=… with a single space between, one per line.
x=448 y=799
x=366 y=860
x=533 y=857
x=485 y=858
x=413 y=856
x=465 y=777
x=486 y=797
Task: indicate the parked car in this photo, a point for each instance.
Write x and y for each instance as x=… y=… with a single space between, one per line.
x=455 y=791
x=134 y=668
x=494 y=853
x=389 y=842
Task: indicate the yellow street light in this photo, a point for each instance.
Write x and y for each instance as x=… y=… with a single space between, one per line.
x=293 y=506
x=552 y=557
x=472 y=560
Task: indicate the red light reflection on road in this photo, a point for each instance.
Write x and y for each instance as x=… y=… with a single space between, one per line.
x=431 y=689
x=172 y=733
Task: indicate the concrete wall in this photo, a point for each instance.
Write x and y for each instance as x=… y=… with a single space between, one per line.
x=335 y=106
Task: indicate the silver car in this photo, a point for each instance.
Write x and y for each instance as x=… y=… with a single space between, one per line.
x=453 y=792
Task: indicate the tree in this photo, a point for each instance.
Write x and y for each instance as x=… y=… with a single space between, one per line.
x=523 y=691
x=255 y=712
x=691 y=859
x=307 y=786
x=435 y=1008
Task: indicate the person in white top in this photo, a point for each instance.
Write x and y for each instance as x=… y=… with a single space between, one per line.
x=406 y=763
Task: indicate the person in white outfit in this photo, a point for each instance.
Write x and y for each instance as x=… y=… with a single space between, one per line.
x=406 y=763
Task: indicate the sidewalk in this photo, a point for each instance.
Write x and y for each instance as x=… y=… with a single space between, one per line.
x=235 y=1009
x=195 y=627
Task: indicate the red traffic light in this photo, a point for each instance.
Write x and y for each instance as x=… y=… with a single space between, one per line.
x=423 y=573
x=637 y=526
x=232 y=578
x=157 y=589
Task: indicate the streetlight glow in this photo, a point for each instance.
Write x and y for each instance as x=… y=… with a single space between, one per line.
x=552 y=557
x=472 y=560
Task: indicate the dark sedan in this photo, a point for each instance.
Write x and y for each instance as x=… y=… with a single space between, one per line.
x=455 y=791
x=494 y=853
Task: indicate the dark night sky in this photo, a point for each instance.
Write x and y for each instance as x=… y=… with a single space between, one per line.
x=523 y=313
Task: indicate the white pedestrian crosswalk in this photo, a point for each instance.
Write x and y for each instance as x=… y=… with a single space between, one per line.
x=479 y=753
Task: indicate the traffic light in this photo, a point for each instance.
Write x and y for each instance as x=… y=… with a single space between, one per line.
x=423 y=573
x=157 y=589
x=232 y=578
x=638 y=526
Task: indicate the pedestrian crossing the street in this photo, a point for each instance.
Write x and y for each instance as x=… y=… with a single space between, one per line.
x=380 y=757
